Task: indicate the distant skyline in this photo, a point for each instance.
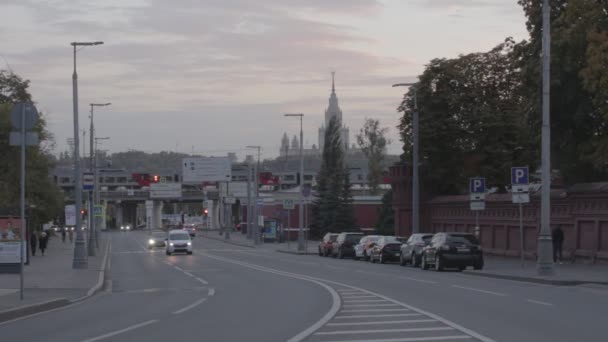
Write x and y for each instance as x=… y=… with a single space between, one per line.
x=212 y=76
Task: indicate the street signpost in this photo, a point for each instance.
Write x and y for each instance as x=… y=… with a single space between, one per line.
x=206 y=169
x=166 y=190
x=98 y=210
x=289 y=205
x=88 y=181
x=520 y=185
x=477 y=189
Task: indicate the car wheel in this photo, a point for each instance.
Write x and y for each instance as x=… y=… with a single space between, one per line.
x=333 y=255
x=320 y=253
x=423 y=264
x=355 y=257
x=478 y=267
x=414 y=260
x=371 y=259
x=402 y=261
x=438 y=264
x=340 y=255
x=382 y=260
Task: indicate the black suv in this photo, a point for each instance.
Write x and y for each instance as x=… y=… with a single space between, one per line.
x=345 y=245
x=452 y=250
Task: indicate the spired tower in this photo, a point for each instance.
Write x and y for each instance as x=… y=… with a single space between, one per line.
x=333 y=110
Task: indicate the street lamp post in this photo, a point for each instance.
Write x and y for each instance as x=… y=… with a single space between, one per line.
x=256 y=231
x=80 y=258
x=544 y=265
x=92 y=168
x=96 y=185
x=415 y=158
x=301 y=211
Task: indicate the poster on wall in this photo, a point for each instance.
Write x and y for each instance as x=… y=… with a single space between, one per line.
x=10 y=240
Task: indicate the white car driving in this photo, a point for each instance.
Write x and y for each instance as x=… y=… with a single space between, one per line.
x=178 y=241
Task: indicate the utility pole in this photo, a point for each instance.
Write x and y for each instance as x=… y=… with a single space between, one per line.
x=249 y=207
x=544 y=264
x=96 y=185
x=301 y=245
x=256 y=231
x=80 y=258
x=415 y=160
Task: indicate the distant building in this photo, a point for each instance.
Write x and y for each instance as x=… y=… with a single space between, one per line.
x=333 y=110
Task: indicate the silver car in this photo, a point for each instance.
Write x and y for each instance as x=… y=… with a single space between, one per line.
x=364 y=246
x=178 y=241
x=411 y=250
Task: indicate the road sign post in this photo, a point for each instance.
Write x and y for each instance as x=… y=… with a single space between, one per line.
x=520 y=184
x=477 y=190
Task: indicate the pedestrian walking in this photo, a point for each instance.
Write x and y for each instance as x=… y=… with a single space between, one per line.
x=42 y=241
x=33 y=242
x=63 y=234
x=558 y=242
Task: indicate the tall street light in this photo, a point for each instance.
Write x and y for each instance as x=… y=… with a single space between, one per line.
x=301 y=211
x=80 y=258
x=415 y=157
x=91 y=217
x=96 y=186
x=256 y=231
x=544 y=264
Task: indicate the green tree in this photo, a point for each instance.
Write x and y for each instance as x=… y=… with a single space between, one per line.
x=385 y=224
x=471 y=120
x=44 y=198
x=372 y=141
x=345 y=215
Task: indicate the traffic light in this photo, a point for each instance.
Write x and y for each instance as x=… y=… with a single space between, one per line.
x=156 y=178
x=205 y=212
x=83 y=213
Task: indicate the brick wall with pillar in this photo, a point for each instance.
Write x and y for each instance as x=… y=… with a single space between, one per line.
x=400 y=176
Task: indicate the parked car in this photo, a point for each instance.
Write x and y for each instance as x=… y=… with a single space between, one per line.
x=157 y=239
x=178 y=241
x=411 y=250
x=363 y=247
x=388 y=248
x=345 y=245
x=326 y=244
x=452 y=250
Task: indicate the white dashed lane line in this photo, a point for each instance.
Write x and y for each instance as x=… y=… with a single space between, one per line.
x=538 y=302
x=480 y=290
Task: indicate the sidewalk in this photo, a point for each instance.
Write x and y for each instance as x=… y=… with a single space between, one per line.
x=565 y=274
x=239 y=239
x=50 y=281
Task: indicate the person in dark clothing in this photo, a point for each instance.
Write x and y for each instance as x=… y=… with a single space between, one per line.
x=63 y=234
x=558 y=242
x=33 y=242
x=42 y=241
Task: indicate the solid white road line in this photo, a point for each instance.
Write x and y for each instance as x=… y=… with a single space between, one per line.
x=382 y=322
x=368 y=305
x=538 y=302
x=480 y=290
x=188 y=274
x=374 y=310
x=178 y=268
x=191 y=306
x=376 y=331
x=211 y=292
x=201 y=280
x=346 y=300
x=117 y=332
x=356 y=296
x=411 y=339
x=381 y=315
x=419 y=280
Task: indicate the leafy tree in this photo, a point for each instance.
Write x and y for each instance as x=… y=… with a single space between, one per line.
x=372 y=141
x=345 y=215
x=385 y=225
x=471 y=120
x=44 y=198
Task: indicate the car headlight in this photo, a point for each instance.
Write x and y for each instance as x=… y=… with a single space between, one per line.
x=122 y=227
x=170 y=243
x=189 y=243
x=151 y=242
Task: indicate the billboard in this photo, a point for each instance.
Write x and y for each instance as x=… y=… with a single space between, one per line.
x=70 y=215
x=206 y=169
x=165 y=190
x=10 y=240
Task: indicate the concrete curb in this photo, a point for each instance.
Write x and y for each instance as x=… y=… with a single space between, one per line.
x=557 y=282
x=295 y=252
x=26 y=310
x=227 y=241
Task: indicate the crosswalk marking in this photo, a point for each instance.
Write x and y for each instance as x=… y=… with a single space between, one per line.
x=373 y=310
x=368 y=305
x=383 y=322
x=411 y=339
x=375 y=331
x=381 y=315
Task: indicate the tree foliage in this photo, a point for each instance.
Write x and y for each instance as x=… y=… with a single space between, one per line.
x=372 y=141
x=44 y=199
x=332 y=209
x=385 y=224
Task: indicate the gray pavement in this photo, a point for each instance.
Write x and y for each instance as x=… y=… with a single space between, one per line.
x=226 y=292
x=51 y=277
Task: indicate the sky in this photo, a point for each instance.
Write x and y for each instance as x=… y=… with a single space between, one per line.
x=213 y=76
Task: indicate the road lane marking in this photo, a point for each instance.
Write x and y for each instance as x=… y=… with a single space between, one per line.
x=178 y=268
x=117 y=332
x=357 y=296
x=480 y=290
x=381 y=315
x=411 y=321
x=322 y=282
x=373 y=310
x=376 y=331
x=211 y=292
x=411 y=339
x=368 y=305
x=188 y=274
x=538 y=302
x=191 y=306
x=363 y=300
x=418 y=280
x=202 y=281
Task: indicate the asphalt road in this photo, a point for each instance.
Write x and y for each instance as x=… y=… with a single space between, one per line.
x=229 y=293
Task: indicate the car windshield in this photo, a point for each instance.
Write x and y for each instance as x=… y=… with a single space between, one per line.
x=427 y=238
x=354 y=238
x=179 y=236
x=333 y=237
x=462 y=238
x=390 y=239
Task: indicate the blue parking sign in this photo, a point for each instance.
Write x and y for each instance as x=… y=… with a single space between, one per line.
x=477 y=185
x=520 y=175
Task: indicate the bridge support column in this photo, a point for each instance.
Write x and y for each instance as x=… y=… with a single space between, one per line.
x=119 y=215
